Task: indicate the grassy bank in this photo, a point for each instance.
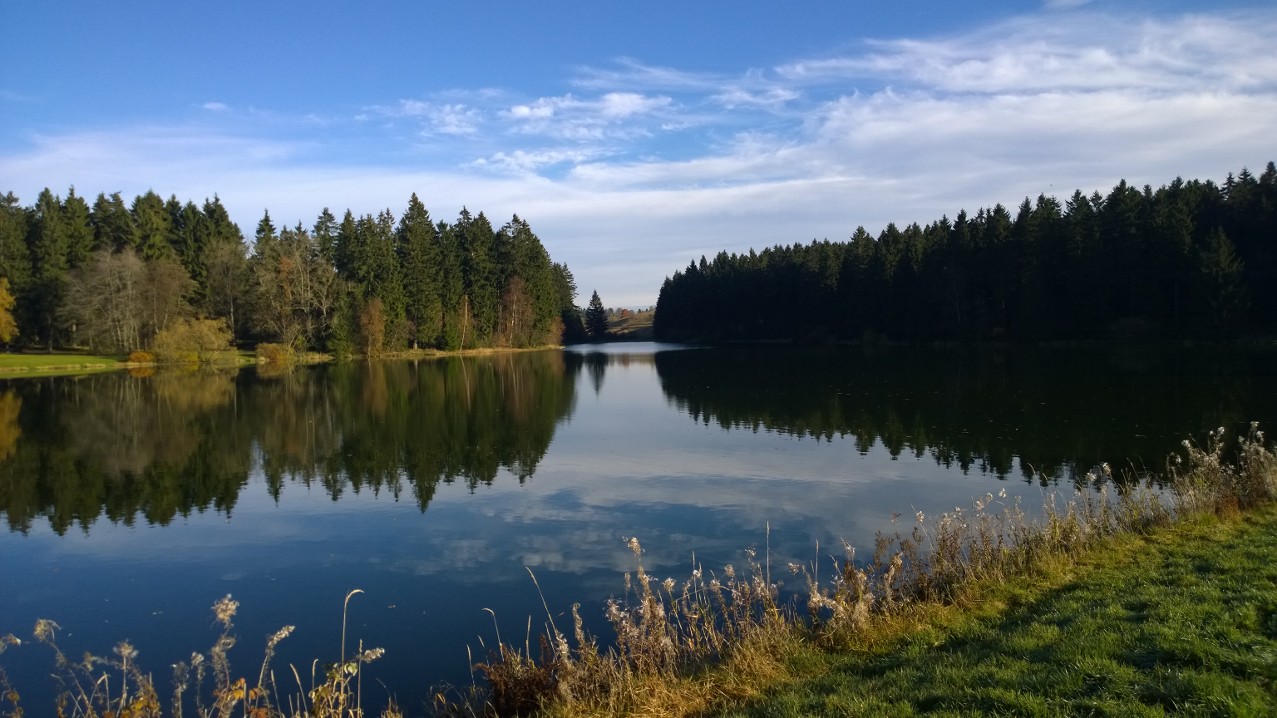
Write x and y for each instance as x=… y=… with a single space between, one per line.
x=1156 y=598
x=70 y=363
x=1182 y=619
x=46 y=364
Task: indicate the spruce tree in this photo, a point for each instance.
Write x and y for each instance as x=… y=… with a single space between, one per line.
x=596 y=317
x=112 y=225
x=151 y=224
x=417 y=249
x=47 y=243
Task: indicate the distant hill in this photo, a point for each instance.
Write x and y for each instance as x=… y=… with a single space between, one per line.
x=626 y=325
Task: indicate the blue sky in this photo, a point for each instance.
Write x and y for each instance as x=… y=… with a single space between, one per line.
x=634 y=137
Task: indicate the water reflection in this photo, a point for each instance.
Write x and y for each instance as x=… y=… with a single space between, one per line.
x=156 y=447
x=1035 y=413
x=120 y=446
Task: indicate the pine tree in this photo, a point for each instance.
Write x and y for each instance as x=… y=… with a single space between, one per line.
x=112 y=225
x=596 y=317
x=47 y=244
x=151 y=224
x=451 y=287
x=224 y=261
x=479 y=268
x=573 y=328
x=79 y=229
x=417 y=249
x=15 y=261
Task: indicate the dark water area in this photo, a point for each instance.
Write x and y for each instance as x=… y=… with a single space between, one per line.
x=132 y=503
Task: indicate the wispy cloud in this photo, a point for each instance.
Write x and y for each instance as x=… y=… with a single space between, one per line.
x=1083 y=52
x=572 y=118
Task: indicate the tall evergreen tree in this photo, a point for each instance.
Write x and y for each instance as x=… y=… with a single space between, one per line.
x=78 y=227
x=112 y=224
x=15 y=260
x=47 y=244
x=417 y=249
x=573 y=329
x=596 y=317
x=325 y=234
x=224 y=260
x=452 y=291
x=152 y=224
x=476 y=240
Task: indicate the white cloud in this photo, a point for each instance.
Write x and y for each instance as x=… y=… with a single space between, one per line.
x=216 y=106
x=1084 y=52
x=521 y=161
x=442 y=118
x=638 y=76
x=567 y=117
x=642 y=169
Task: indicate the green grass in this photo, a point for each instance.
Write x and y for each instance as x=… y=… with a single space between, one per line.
x=55 y=363
x=1180 y=621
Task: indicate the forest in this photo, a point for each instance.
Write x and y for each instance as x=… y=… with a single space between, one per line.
x=1192 y=260
x=117 y=277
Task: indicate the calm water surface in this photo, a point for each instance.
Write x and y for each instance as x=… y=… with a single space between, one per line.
x=133 y=502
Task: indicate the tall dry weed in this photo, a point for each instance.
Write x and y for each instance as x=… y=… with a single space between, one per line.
x=114 y=686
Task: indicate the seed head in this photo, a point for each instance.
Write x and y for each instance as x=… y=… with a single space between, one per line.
x=44 y=629
x=125 y=650
x=225 y=609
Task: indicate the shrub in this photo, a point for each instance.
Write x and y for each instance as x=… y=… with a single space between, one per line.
x=275 y=354
x=138 y=356
x=193 y=341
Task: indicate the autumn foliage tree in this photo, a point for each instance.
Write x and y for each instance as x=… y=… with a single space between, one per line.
x=8 y=327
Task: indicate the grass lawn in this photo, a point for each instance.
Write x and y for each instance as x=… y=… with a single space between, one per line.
x=54 y=363
x=1182 y=621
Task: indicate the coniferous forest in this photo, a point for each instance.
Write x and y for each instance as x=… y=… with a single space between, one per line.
x=1191 y=260
x=111 y=276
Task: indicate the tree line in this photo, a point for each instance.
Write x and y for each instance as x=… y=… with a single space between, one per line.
x=1190 y=260
x=113 y=276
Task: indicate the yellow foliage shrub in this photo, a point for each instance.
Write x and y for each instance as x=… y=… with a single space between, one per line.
x=193 y=341
x=274 y=354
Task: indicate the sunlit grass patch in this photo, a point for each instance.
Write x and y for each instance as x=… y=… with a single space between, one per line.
x=1168 y=622
x=56 y=363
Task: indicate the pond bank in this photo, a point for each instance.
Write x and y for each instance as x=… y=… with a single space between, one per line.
x=1160 y=596
x=21 y=365
x=1182 y=619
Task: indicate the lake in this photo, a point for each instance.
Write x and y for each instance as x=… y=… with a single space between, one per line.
x=133 y=502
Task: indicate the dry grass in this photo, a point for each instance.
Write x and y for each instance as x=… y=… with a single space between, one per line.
x=206 y=687
x=686 y=648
